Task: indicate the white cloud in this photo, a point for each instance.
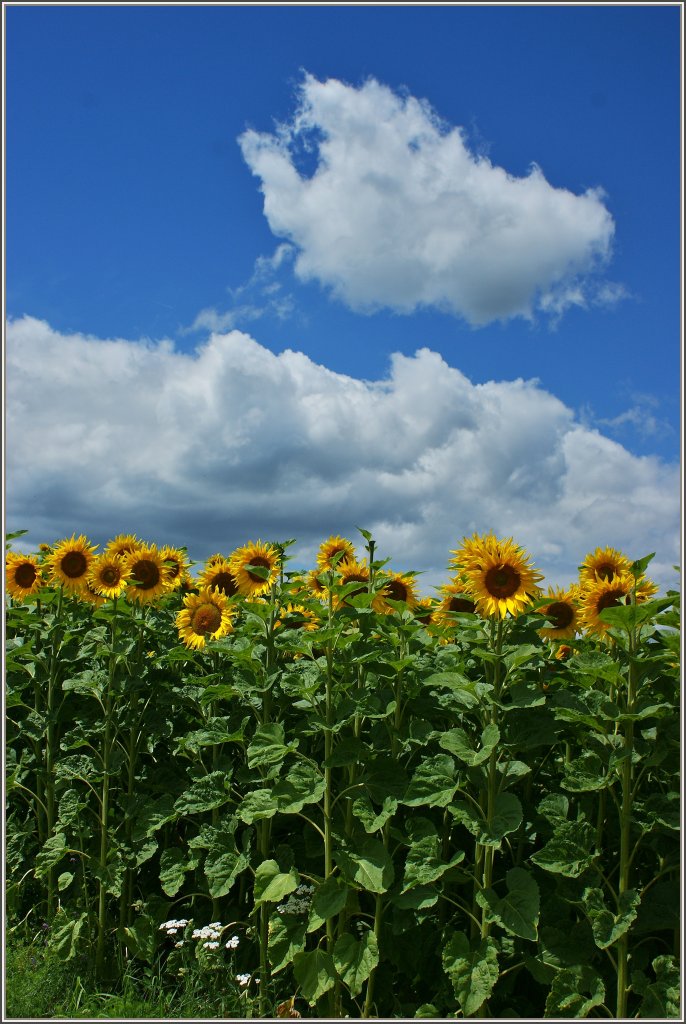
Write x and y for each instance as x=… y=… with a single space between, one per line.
x=235 y=443
x=398 y=212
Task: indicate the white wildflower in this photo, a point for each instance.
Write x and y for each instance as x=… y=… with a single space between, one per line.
x=243 y=979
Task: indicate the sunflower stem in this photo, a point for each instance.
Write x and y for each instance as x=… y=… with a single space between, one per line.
x=51 y=747
x=625 y=830
x=104 y=805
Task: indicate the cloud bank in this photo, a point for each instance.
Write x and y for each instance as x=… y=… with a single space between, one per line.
x=388 y=207
x=234 y=443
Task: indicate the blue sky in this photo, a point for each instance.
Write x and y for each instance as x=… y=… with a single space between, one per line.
x=153 y=207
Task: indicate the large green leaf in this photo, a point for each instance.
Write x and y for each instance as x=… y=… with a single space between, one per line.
x=433 y=783
x=223 y=865
x=473 y=972
x=64 y=937
x=174 y=864
x=205 y=794
x=315 y=973
x=517 y=912
x=662 y=997
x=52 y=852
x=507 y=818
x=457 y=742
x=608 y=927
x=257 y=805
x=364 y=811
x=461 y=688
x=574 y=992
x=286 y=938
x=585 y=774
x=424 y=862
x=355 y=961
x=267 y=747
x=328 y=900
x=272 y=884
x=367 y=864
x=570 y=850
x=303 y=784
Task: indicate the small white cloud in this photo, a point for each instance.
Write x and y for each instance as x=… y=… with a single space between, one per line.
x=234 y=443
x=398 y=213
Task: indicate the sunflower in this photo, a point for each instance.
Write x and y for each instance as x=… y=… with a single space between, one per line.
x=108 y=576
x=70 y=562
x=297 y=616
x=562 y=612
x=217 y=575
x=213 y=559
x=453 y=600
x=177 y=563
x=608 y=593
x=23 y=575
x=315 y=585
x=255 y=556
x=205 y=615
x=472 y=551
x=89 y=595
x=149 y=576
x=399 y=587
x=352 y=571
x=328 y=551
x=603 y=564
x=424 y=610
x=123 y=544
x=500 y=578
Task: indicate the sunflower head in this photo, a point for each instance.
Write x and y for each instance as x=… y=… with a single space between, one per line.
x=603 y=564
x=205 y=616
x=123 y=544
x=23 y=576
x=472 y=551
x=297 y=616
x=424 y=610
x=334 y=551
x=89 y=595
x=70 y=562
x=562 y=612
x=255 y=567
x=500 y=577
x=148 y=575
x=400 y=587
x=176 y=562
x=453 y=600
x=108 y=576
x=217 y=575
x=608 y=593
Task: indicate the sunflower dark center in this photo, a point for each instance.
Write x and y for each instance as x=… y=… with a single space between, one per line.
x=502 y=581
x=610 y=599
x=110 y=575
x=560 y=614
x=396 y=590
x=206 y=619
x=460 y=604
x=263 y=563
x=173 y=567
x=146 y=574
x=606 y=570
x=74 y=564
x=225 y=582
x=25 y=575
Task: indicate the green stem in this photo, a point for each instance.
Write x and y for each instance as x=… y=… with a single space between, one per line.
x=625 y=833
x=104 y=806
x=51 y=750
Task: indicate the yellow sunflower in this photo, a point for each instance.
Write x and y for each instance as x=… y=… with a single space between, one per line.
x=89 y=595
x=608 y=593
x=562 y=612
x=315 y=585
x=332 y=547
x=23 y=576
x=399 y=587
x=176 y=562
x=260 y=556
x=424 y=610
x=217 y=575
x=70 y=562
x=453 y=599
x=297 y=616
x=472 y=551
x=352 y=571
x=501 y=579
x=108 y=576
x=603 y=564
x=123 y=544
x=205 y=616
x=149 y=576
x=213 y=559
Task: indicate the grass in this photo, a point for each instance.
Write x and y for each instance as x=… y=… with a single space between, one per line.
x=38 y=984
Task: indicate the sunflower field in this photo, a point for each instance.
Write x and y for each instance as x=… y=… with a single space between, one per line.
x=336 y=798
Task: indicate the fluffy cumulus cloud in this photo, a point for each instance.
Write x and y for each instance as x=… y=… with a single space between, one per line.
x=234 y=443
x=388 y=207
